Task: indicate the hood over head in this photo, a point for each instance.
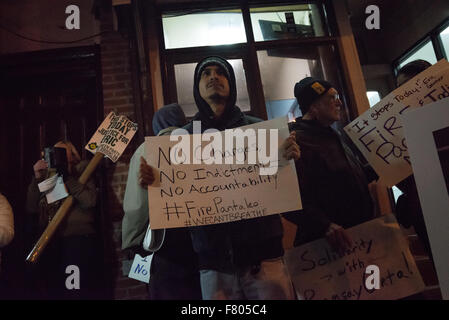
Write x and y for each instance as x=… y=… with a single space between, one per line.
x=205 y=111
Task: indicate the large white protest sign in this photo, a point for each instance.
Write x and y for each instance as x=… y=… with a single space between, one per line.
x=427 y=133
x=319 y=273
x=378 y=133
x=112 y=137
x=195 y=194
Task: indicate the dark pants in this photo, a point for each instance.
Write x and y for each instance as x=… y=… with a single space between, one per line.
x=173 y=281
x=79 y=251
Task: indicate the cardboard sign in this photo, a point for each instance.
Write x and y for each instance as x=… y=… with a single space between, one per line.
x=427 y=133
x=187 y=195
x=378 y=133
x=112 y=137
x=319 y=273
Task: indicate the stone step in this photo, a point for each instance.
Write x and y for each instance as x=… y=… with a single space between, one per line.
x=416 y=246
x=427 y=270
x=432 y=293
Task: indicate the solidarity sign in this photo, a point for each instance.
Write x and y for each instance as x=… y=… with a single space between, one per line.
x=319 y=273
x=378 y=133
x=211 y=182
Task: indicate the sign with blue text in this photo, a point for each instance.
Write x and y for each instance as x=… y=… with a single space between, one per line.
x=141 y=268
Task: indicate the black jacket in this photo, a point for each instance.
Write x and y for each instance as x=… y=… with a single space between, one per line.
x=241 y=243
x=333 y=182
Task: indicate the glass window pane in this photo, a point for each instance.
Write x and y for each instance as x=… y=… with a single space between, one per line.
x=286 y=22
x=373 y=97
x=203 y=29
x=280 y=69
x=184 y=86
x=445 y=40
x=426 y=52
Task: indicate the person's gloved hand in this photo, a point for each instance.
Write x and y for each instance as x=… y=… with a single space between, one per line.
x=146 y=176
x=291 y=148
x=338 y=238
x=40 y=169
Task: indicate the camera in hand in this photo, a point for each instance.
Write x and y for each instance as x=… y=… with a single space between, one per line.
x=56 y=158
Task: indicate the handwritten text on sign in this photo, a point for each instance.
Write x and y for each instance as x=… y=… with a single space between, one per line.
x=112 y=137
x=187 y=195
x=319 y=273
x=378 y=133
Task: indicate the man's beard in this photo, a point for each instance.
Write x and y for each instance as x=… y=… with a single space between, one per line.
x=217 y=97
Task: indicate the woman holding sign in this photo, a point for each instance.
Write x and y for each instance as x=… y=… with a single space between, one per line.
x=69 y=268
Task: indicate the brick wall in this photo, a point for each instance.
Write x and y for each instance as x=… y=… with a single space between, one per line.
x=118 y=97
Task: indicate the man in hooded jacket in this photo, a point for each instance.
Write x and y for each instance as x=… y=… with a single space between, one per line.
x=238 y=260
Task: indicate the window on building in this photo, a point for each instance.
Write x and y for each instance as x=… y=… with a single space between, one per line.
x=184 y=85
x=433 y=48
x=424 y=52
x=278 y=80
x=286 y=22
x=203 y=29
x=373 y=97
x=444 y=36
x=271 y=48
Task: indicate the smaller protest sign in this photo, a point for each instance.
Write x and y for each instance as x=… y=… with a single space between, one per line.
x=140 y=269
x=379 y=257
x=112 y=137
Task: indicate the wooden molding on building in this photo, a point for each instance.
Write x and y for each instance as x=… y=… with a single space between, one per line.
x=154 y=62
x=356 y=87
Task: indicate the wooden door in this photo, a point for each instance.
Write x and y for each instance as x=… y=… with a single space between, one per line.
x=45 y=96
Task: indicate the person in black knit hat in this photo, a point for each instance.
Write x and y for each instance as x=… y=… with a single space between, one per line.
x=333 y=182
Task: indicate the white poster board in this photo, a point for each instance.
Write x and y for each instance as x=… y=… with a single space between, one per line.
x=378 y=133
x=112 y=136
x=319 y=273
x=188 y=195
x=420 y=126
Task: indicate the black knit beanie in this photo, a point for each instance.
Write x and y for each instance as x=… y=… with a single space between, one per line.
x=212 y=60
x=308 y=90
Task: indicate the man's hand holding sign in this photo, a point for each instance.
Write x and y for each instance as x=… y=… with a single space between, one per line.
x=110 y=140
